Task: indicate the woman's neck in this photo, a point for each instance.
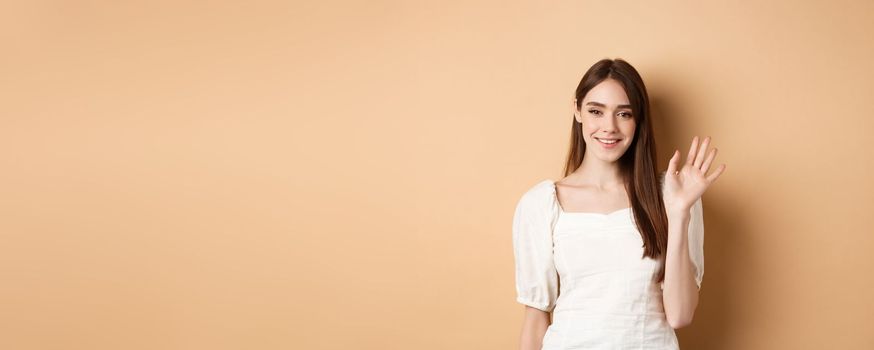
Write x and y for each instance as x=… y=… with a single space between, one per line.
x=597 y=173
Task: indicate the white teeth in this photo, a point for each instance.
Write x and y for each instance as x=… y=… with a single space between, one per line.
x=608 y=141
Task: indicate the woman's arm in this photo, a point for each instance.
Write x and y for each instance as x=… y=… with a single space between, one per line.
x=533 y=328
x=680 y=293
x=683 y=186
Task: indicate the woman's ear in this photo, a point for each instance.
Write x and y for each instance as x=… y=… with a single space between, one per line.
x=576 y=111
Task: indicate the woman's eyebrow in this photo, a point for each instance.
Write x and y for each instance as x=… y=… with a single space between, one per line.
x=599 y=104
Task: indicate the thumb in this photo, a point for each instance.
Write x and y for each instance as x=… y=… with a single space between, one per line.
x=672 y=164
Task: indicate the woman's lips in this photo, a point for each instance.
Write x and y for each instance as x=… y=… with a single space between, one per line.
x=608 y=145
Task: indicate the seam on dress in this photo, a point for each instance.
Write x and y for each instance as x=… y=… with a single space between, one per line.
x=557 y=216
x=569 y=323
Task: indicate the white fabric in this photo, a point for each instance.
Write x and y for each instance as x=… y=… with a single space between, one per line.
x=587 y=269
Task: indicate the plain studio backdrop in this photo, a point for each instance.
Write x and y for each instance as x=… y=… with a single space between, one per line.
x=342 y=175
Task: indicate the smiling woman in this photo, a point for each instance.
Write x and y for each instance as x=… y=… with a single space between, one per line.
x=613 y=251
x=612 y=122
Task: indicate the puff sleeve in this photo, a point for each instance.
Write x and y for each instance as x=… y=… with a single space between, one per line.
x=695 y=238
x=536 y=276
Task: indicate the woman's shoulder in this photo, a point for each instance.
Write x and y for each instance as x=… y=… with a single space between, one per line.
x=545 y=186
x=539 y=193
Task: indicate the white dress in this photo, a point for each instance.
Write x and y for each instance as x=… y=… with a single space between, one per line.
x=586 y=268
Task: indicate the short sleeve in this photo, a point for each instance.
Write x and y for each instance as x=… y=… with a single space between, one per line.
x=536 y=277
x=696 y=240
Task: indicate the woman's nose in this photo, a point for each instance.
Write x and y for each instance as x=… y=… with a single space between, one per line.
x=609 y=123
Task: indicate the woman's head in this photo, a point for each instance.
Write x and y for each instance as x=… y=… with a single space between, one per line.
x=611 y=103
x=606 y=119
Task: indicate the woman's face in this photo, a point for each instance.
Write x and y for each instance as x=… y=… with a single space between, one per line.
x=608 y=126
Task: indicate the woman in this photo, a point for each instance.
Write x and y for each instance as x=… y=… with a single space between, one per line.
x=613 y=253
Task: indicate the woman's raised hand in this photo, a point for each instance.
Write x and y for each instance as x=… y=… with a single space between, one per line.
x=685 y=183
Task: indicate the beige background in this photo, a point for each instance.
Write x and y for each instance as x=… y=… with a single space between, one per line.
x=342 y=175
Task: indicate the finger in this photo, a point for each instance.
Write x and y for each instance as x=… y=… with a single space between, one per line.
x=710 y=156
x=699 y=158
x=712 y=177
x=672 y=164
x=692 y=149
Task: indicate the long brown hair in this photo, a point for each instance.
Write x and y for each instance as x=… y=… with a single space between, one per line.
x=638 y=164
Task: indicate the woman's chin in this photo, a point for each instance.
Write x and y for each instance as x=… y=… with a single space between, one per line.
x=608 y=158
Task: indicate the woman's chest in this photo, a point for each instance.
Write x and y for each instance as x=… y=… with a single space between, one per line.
x=588 y=244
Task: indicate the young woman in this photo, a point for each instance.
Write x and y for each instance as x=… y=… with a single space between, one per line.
x=611 y=255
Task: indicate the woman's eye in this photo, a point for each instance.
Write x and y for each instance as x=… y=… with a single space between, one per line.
x=625 y=114
x=594 y=111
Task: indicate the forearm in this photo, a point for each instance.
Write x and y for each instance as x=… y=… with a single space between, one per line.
x=680 y=294
x=533 y=329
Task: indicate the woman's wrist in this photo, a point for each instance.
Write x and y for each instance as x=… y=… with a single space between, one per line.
x=678 y=221
x=676 y=209
x=678 y=214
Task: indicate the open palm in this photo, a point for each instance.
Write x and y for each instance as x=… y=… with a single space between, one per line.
x=685 y=183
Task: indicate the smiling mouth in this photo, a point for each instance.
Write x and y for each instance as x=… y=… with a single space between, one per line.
x=607 y=141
